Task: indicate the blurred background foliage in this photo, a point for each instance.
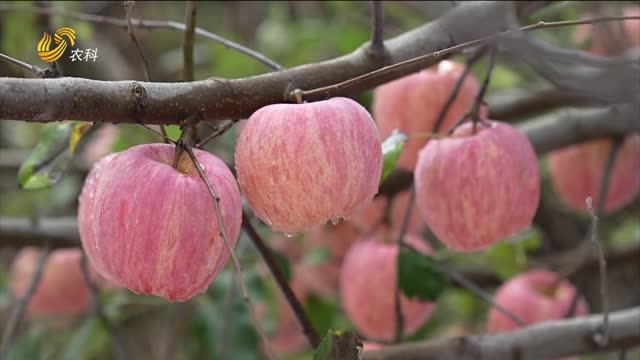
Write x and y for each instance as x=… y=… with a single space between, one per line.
x=291 y=33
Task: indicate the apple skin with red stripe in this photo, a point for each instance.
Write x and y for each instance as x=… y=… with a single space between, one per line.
x=152 y=227
x=301 y=165
x=475 y=189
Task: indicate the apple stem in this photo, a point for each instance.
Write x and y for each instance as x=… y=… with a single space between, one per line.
x=225 y=238
x=21 y=305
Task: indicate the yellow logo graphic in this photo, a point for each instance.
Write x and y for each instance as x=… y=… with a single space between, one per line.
x=61 y=44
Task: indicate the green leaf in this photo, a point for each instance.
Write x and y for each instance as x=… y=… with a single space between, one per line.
x=173 y=132
x=29 y=345
x=87 y=341
x=339 y=345
x=317 y=256
x=391 y=149
x=283 y=263
x=418 y=276
x=509 y=257
x=320 y=312
x=51 y=157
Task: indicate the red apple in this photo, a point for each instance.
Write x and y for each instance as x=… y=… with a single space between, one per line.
x=576 y=173
x=62 y=289
x=372 y=216
x=476 y=189
x=413 y=103
x=300 y=165
x=367 y=283
x=152 y=227
x=86 y=216
x=535 y=296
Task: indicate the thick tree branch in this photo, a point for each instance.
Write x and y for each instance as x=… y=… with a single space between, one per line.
x=168 y=103
x=575 y=126
x=542 y=341
x=516 y=103
x=21 y=232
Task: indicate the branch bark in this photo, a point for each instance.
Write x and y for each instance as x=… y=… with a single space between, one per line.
x=541 y=341
x=517 y=103
x=168 y=103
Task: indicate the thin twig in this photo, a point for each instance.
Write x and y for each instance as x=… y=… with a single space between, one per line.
x=128 y=7
x=189 y=39
x=32 y=68
x=427 y=58
x=162 y=133
x=227 y=318
x=296 y=307
x=583 y=251
x=218 y=131
x=474 y=289
x=478 y=291
x=118 y=348
x=147 y=24
x=377 y=26
x=20 y=307
x=601 y=337
x=223 y=233
x=478 y=102
x=456 y=89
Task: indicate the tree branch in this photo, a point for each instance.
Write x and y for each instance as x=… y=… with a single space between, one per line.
x=128 y=7
x=21 y=232
x=377 y=26
x=189 y=39
x=168 y=103
x=18 y=311
x=294 y=304
x=542 y=341
x=516 y=103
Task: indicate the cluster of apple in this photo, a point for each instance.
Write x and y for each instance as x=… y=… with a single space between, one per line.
x=147 y=221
